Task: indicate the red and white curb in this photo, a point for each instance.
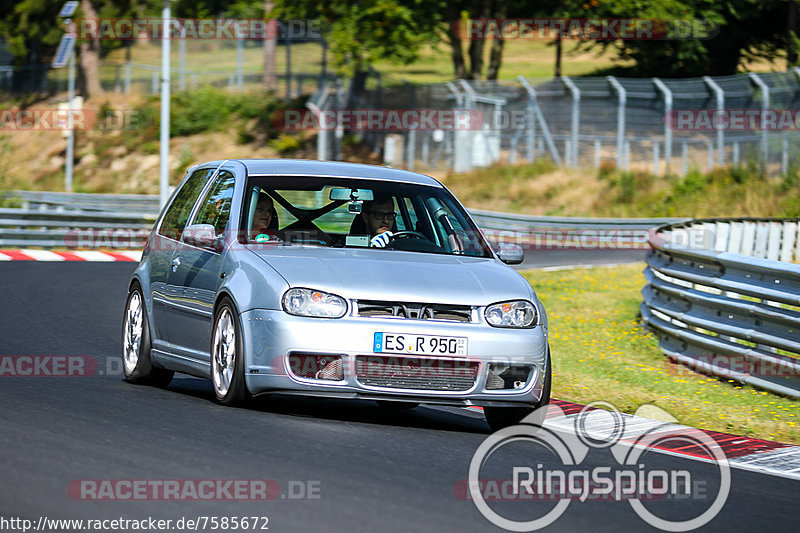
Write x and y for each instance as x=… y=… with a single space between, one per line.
x=744 y=453
x=90 y=255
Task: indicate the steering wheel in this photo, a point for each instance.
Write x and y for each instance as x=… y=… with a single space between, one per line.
x=408 y=233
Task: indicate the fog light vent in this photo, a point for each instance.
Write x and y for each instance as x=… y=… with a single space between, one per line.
x=317 y=366
x=505 y=377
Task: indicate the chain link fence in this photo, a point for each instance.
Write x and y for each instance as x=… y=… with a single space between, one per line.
x=301 y=66
x=658 y=125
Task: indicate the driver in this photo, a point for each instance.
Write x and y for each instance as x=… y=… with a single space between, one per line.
x=379 y=216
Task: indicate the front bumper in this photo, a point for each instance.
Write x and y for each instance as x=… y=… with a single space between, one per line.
x=270 y=336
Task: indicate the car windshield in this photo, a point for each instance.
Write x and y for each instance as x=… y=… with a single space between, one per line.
x=348 y=213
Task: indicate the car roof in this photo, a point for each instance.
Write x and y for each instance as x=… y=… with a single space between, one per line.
x=308 y=167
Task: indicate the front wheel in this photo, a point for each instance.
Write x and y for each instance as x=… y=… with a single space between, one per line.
x=227 y=357
x=502 y=417
x=136 y=363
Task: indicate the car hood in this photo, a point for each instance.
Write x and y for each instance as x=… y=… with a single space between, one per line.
x=397 y=276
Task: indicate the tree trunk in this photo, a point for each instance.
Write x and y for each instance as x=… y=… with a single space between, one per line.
x=270 y=44
x=480 y=10
x=496 y=53
x=90 y=57
x=456 y=50
x=792 y=35
x=558 y=57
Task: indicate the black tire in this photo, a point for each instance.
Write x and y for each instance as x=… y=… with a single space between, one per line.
x=502 y=417
x=393 y=404
x=235 y=390
x=136 y=363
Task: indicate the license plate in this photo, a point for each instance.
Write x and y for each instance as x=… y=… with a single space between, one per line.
x=418 y=344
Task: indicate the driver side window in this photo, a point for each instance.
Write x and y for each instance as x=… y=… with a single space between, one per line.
x=216 y=208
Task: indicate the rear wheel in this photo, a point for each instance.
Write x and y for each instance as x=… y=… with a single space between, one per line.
x=227 y=361
x=502 y=417
x=136 y=363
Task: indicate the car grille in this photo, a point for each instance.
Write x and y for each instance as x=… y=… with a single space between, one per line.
x=416 y=311
x=416 y=373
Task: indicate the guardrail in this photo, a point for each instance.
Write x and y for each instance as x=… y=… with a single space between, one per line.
x=548 y=232
x=724 y=298
x=60 y=201
x=73 y=229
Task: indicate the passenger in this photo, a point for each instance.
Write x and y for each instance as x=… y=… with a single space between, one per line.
x=379 y=219
x=265 y=219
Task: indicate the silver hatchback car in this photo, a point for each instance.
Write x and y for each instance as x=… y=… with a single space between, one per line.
x=334 y=280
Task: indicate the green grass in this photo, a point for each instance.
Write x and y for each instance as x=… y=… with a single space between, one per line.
x=600 y=352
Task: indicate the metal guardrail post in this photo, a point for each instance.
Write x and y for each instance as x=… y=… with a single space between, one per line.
x=667 y=93
x=720 y=96
x=572 y=158
x=764 y=106
x=621 y=101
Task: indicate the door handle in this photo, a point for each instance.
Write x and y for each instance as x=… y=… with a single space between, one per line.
x=176 y=263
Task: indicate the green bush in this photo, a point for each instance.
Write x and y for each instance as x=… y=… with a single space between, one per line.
x=286 y=144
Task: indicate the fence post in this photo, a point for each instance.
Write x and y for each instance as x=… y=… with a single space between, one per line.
x=627 y=147
x=323 y=76
x=668 y=120
x=684 y=159
x=540 y=117
x=288 y=44
x=710 y=155
x=155 y=82
x=736 y=153
x=572 y=157
x=127 y=88
x=720 y=96
x=656 y=157
x=622 y=97
x=182 y=59
x=764 y=152
x=240 y=64
x=412 y=133
x=785 y=156
x=597 y=153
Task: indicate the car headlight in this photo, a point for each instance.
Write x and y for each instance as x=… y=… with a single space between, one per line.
x=513 y=314
x=310 y=302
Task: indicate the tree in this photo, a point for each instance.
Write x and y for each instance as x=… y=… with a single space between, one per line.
x=370 y=30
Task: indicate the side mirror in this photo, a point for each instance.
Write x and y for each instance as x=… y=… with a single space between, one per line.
x=202 y=236
x=509 y=253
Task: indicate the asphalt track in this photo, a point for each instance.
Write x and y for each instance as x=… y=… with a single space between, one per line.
x=377 y=470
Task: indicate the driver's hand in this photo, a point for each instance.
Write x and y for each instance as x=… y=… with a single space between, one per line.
x=381 y=240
